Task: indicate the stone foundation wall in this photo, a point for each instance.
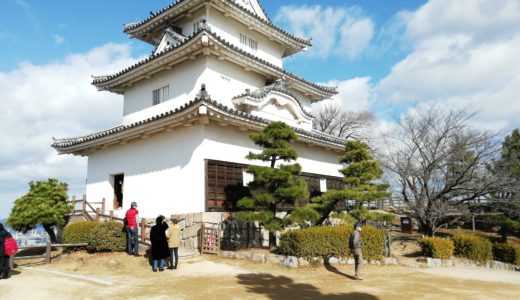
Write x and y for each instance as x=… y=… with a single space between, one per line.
x=294 y=262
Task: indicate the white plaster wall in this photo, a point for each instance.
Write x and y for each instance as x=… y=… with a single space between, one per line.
x=163 y=174
x=230 y=30
x=225 y=80
x=232 y=145
x=183 y=80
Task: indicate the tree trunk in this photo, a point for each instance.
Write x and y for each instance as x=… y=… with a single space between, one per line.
x=503 y=235
x=50 y=232
x=426 y=227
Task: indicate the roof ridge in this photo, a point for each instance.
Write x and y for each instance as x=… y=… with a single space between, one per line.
x=268 y=22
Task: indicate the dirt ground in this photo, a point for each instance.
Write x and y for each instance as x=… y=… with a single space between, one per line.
x=118 y=276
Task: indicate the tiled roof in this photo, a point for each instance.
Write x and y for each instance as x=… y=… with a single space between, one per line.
x=63 y=144
x=267 y=22
x=103 y=79
x=275 y=87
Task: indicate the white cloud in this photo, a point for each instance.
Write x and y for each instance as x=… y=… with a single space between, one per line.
x=463 y=52
x=58 y=39
x=57 y=99
x=353 y=94
x=339 y=31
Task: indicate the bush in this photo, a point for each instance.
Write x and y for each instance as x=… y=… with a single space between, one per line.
x=79 y=232
x=506 y=253
x=108 y=237
x=436 y=247
x=473 y=247
x=329 y=241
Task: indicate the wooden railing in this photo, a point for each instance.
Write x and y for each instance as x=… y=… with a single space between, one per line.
x=89 y=212
x=46 y=256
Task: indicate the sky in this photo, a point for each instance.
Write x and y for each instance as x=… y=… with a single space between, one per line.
x=385 y=56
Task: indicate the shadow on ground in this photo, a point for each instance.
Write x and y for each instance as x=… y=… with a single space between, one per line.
x=333 y=269
x=281 y=287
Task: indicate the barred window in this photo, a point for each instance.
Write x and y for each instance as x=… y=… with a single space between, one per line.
x=161 y=95
x=248 y=42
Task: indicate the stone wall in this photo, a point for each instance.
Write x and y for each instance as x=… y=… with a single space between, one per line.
x=294 y=262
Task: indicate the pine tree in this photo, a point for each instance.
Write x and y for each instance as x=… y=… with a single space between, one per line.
x=45 y=204
x=275 y=185
x=360 y=174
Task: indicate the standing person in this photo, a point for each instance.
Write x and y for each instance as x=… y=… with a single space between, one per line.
x=4 y=259
x=355 y=243
x=174 y=239
x=132 y=239
x=160 y=249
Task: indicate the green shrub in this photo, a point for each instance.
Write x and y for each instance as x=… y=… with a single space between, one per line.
x=506 y=253
x=108 y=237
x=79 y=232
x=436 y=247
x=329 y=241
x=473 y=247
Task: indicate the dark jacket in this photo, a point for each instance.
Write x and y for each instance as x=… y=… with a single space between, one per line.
x=4 y=234
x=159 y=243
x=355 y=241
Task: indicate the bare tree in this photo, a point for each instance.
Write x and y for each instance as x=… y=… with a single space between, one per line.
x=439 y=165
x=332 y=119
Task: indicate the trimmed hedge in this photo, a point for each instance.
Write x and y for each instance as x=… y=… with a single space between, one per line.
x=108 y=237
x=437 y=247
x=79 y=232
x=473 y=247
x=326 y=241
x=506 y=253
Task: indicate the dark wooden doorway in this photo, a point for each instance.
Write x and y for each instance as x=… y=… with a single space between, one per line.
x=119 y=180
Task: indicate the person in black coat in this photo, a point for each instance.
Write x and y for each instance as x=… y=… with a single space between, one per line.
x=4 y=259
x=160 y=249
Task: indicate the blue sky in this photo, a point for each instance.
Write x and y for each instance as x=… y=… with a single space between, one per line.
x=384 y=56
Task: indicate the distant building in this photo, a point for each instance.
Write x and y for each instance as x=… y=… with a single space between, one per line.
x=215 y=76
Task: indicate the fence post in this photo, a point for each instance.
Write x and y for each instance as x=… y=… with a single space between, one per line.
x=201 y=243
x=103 y=206
x=84 y=205
x=143 y=230
x=111 y=215
x=97 y=214
x=48 y=253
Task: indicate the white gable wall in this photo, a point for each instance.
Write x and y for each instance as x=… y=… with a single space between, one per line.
x=230 y=31
x=183 y=85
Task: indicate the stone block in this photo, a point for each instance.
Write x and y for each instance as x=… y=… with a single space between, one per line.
x=390 y=261
x=243 y=255
x=275 y=259
x=259 y=257
x=447 y=262
x=333 y=260
x=197 y=217
x=190 y=232
x=212 y=217
x=433 y=262
x=351 y=261
x=317 y=261
x=291 y=262
x=228 y=254
x=182 y=224
x=303 y=262
x=189 y=220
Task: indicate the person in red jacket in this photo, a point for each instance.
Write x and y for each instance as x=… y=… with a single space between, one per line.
x=132 y=239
